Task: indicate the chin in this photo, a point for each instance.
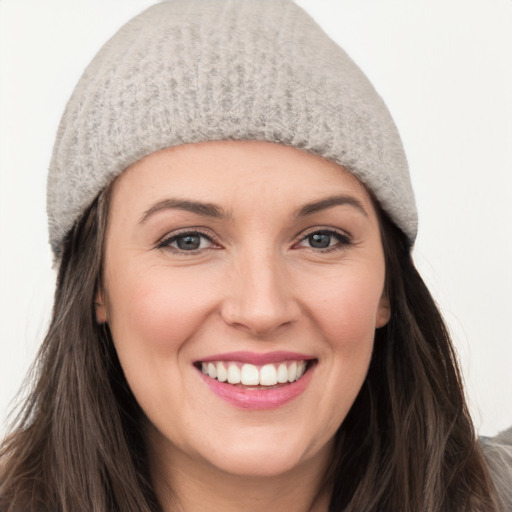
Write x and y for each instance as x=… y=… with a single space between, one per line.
x=263 y=452
x=258 y=461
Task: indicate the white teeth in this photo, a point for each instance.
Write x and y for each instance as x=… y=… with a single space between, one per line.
x=282 y=373
x=301 y=368
x=252 y=375
x=292 y=372
x=212 y=370
x=249 y=376
x=233 y=374
x=222 y=373
x=268 y=375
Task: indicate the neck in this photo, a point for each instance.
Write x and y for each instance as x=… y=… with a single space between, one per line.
x=190 y=485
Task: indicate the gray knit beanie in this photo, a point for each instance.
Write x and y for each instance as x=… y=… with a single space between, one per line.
x=188 y=71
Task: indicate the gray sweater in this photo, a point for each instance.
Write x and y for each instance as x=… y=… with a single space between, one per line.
x=498 y=452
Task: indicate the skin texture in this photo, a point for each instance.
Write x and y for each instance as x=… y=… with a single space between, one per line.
x=254 y=284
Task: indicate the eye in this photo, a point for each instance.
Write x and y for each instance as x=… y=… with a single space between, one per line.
x=190 y=241
x=325 y=239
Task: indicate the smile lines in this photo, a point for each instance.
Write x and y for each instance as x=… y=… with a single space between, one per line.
x=252 y=375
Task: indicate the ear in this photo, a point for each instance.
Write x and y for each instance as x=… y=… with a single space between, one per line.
x=383 y=311
x=100 y=308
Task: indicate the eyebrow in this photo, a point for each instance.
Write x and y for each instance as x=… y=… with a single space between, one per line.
x=197 y=207
x=214 y=211
x=329 y=202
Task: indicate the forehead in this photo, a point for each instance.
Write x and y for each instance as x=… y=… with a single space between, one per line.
x=235 y=173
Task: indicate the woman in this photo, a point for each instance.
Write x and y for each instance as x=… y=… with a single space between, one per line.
x=238 y=323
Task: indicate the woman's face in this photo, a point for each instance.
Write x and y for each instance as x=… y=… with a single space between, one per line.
x=251 y=261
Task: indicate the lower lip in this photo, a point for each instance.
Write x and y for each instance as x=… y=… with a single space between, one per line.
x=258 y=399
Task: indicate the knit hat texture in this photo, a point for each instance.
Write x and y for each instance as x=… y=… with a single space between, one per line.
x=187 y=71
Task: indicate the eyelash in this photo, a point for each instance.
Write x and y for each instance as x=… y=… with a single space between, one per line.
x=343 y=242
x=166 y=242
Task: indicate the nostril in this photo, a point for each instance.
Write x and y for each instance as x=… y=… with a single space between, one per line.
x=260 y=302
x=258 y=323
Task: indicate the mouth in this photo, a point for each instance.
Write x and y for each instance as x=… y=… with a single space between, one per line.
x=251 y=381
x=252 y=376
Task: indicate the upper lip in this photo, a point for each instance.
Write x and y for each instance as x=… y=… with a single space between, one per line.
x=257 y=358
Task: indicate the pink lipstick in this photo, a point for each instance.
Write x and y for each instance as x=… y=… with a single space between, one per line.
x=258 y=358
x=256 y=381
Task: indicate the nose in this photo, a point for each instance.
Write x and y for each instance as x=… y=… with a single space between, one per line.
x=260 y=298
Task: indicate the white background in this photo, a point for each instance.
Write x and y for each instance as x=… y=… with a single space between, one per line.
x=444 y=67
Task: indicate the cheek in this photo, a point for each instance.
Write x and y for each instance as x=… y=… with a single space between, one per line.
x=152 y=316
x=345 y=314
x=156 y=311
x=346 y=311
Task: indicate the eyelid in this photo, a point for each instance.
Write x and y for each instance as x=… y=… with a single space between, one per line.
x=164 y=241
x=326 y=229
x=346 y=238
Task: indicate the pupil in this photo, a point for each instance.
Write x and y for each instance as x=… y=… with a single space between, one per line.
x=320 y=240
x=189 y=242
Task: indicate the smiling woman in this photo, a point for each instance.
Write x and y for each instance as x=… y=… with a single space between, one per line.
x=238 y=323
x=295 y=288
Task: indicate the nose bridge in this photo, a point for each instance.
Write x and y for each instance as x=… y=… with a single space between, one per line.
x=261 y=299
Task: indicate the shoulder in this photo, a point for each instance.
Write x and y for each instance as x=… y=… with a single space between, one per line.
x=498 y=452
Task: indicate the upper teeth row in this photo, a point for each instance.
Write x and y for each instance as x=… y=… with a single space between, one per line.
x=251 y=375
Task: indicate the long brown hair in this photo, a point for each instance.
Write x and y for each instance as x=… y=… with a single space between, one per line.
x=407 y=444
x=78 y=443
